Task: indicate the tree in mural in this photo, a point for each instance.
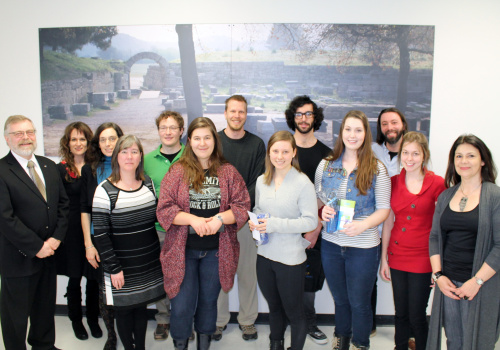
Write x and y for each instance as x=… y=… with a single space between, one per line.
x=344 y=43
x=72 y=39
x=189 y=72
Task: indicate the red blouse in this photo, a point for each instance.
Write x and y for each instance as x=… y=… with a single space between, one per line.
x=409 y=245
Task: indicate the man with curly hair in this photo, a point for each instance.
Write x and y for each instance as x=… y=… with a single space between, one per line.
x=304 y=117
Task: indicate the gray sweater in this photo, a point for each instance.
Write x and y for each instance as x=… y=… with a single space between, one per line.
x=483 y=323
x=293 y=210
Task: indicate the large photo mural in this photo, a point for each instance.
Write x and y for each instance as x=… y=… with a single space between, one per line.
x=130 y=74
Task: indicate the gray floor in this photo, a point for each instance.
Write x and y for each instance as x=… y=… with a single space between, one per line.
x=230 y=341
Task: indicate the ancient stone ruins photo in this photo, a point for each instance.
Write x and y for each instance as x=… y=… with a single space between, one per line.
x=129 y=74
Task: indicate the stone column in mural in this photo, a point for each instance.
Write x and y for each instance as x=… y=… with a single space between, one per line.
x=189 y=72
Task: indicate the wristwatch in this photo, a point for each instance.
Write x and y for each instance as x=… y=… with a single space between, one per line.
x=436 y=275
x=218 y=216
x=479 y=281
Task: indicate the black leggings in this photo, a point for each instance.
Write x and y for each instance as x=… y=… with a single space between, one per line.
x=131 y=325
x=411 y=295
x=74 y=294
x=283 y=287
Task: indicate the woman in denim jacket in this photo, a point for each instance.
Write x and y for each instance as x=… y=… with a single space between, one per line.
x=351 y=256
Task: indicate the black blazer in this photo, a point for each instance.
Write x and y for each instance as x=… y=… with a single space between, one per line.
x=26 y=219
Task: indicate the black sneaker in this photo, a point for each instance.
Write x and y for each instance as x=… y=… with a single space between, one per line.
x=161 y=331
x=249 y=332
x=218 y=333
x=317 y=336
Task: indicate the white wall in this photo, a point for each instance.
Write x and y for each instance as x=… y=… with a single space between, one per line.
x=466 y=71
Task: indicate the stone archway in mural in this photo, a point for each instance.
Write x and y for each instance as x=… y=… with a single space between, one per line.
x=152 y=56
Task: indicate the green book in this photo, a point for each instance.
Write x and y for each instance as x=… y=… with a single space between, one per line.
x=346 y=213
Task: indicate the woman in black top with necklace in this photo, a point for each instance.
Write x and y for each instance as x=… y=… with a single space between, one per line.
x=464 y=250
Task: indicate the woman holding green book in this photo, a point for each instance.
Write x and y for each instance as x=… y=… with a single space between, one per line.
x=350 y=255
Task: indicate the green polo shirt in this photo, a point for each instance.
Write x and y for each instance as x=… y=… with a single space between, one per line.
x=156 y=166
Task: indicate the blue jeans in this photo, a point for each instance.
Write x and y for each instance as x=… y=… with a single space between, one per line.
x=197 y=298
x=350 y=274
x=456 y=313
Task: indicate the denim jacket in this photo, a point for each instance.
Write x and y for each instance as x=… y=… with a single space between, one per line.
x=334 y=174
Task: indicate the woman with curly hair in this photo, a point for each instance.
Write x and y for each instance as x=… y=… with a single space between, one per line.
x=70 y=256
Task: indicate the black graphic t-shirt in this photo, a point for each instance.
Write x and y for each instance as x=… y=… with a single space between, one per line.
x=204 y=204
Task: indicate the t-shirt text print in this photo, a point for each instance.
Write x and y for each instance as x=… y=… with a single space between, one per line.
x=204 y=204
x=207 y=202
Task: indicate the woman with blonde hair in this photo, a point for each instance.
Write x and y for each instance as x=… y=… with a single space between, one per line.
x=405 y=239
x=288 y=196
x=203 y=203
x=351 y=255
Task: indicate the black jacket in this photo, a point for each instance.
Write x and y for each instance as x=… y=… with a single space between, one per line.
x=26 y=219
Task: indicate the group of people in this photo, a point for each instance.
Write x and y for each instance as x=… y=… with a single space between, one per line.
x=171 y=227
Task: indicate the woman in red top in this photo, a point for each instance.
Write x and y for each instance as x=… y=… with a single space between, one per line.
x=405 y=239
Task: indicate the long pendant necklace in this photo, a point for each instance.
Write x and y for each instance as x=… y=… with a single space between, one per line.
x=463 y=200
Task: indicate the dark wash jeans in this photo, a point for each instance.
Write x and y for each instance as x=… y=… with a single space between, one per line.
x=283 y=287
x=411 y=295
x=197 y=298
x=350 y=274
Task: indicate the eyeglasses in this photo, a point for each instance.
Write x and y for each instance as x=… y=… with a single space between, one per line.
x=308 y=115
x=19 y=134
x=171 y=128
x=110 y=139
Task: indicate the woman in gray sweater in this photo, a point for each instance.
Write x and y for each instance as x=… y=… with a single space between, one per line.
x=289 y=197
x=464 y=248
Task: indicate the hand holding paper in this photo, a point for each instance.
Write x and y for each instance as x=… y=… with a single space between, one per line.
x=259 y=230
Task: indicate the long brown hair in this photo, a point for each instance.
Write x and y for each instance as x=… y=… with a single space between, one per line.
x=124 y=142
x=282 y=135
x=65 y=152
x=194 y=174
x=94 y=150
x=367 y=162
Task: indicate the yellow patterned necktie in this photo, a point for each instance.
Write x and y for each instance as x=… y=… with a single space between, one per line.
x=36 y=179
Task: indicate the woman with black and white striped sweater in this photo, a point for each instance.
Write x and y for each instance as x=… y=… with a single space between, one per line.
x=124 y=216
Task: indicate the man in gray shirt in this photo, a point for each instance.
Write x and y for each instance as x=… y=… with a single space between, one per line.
x=391 y=126
x=246 y=152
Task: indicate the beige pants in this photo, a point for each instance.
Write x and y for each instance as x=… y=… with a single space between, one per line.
x=163 y=306
x=247 y=283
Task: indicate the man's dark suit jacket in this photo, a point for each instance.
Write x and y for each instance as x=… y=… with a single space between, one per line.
x=26 y=219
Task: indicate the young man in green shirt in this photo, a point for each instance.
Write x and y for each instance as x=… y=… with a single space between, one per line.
x=156 y=164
